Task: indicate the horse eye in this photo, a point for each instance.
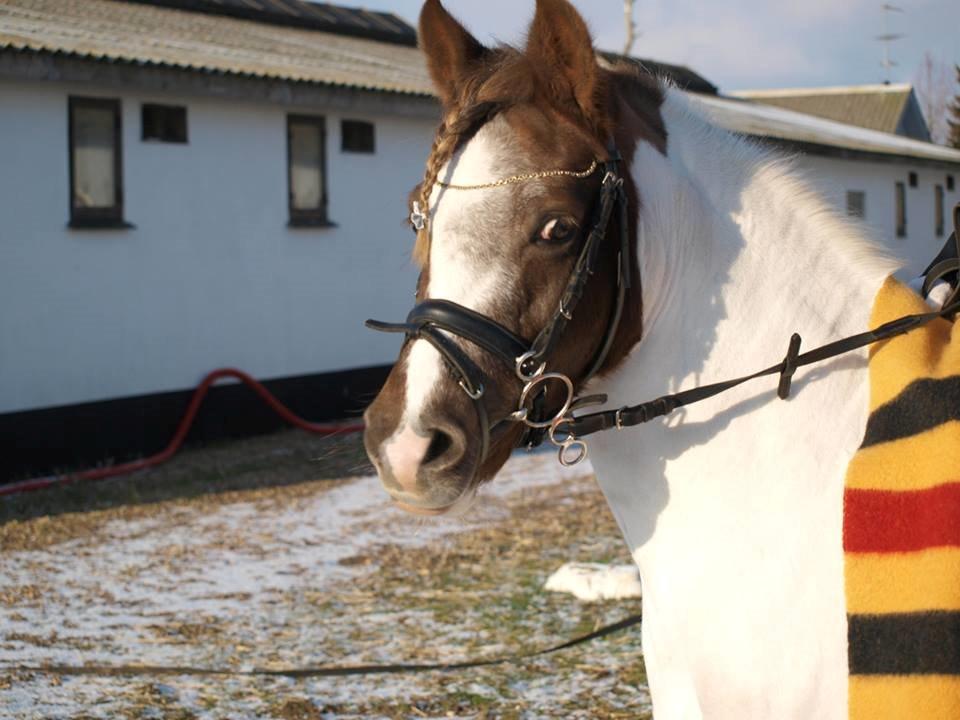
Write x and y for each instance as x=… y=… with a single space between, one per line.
x=558 y=230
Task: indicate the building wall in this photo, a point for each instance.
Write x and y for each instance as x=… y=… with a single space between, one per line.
x=878 y=180
x=211 y=275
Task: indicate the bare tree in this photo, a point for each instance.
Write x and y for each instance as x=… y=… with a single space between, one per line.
x=953 y=122
x=933 y=83
x=631 y=26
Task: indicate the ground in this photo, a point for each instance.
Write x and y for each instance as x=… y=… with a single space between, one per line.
x=284 y=552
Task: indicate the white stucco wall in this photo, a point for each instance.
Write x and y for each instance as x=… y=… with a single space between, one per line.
x=878 y=180
x=211 y=276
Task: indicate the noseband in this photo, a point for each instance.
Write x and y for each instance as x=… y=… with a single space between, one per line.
x=435 y=320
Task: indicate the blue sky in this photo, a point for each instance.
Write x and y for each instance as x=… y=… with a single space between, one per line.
x=741 y=44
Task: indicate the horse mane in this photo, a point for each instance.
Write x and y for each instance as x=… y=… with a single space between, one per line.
x=750 y=161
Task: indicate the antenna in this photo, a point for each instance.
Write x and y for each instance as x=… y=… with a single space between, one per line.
x=886 y=38
x=631 y=26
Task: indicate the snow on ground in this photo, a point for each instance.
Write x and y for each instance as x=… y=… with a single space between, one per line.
x=333 y=575
x=591 y=582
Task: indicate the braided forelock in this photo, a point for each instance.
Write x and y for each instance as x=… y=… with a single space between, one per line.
x=453 y=133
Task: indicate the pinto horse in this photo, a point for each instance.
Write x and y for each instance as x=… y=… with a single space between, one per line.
x=736 y=508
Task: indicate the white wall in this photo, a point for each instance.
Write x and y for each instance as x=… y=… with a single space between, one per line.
x=878 y=180
x=211 y=276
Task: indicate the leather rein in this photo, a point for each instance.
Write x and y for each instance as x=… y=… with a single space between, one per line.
x=435 y=320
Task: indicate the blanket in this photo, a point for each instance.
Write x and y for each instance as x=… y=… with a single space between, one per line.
x=901 y=531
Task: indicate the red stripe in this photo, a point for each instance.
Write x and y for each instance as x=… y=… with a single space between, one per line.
x=882 y=521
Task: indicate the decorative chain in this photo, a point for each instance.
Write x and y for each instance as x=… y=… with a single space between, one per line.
x=514 y=179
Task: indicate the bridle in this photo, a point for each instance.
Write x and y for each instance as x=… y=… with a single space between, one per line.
x=434 y=320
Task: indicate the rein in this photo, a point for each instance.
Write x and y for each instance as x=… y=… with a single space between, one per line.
x=435 y=320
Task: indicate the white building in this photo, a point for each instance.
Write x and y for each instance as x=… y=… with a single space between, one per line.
x=182 y=191
x=193 y=184
x=903 y=188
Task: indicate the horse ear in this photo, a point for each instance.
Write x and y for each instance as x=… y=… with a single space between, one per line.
x=451 y=51
x=560 y=47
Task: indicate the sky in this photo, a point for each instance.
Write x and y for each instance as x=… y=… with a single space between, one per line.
x=744 y=44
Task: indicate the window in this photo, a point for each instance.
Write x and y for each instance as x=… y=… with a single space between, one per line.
x=950 y=183
x=306 y=140
x=96 y=164
x=357 y=136
x=856 y=202
x=164 y=123
x=901 y=200
x=913 y=179
x=938 y=209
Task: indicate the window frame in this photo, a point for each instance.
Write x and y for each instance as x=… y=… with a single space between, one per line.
x=150 y=106
x=100 y=217
x=344 y=122
x=298 y=217
x=900 y=208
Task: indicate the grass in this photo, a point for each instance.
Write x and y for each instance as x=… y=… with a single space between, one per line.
x=474 y=594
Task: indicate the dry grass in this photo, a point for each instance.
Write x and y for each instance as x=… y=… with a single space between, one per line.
x=473 y=593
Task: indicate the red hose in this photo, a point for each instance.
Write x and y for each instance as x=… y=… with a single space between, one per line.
x=178 y=437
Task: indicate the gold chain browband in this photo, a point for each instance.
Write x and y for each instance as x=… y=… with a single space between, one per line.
x=514 y=179
x=418 y=216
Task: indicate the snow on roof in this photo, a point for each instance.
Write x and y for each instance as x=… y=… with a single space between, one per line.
x=876 y=107
x=767 y=121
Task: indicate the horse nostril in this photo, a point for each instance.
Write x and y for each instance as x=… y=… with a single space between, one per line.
x=440 y=443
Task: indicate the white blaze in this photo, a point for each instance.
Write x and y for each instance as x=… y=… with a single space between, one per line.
x=456 y=272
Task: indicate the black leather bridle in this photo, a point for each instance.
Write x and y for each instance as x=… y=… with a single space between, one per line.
x=434 y=320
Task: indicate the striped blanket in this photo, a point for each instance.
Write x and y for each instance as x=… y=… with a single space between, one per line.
x=901 y=532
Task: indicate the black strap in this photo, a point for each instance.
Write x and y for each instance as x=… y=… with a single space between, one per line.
x=644 y=412
x=611 y=192
x=946 y=266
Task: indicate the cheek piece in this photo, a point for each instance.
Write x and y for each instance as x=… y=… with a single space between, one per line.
x=436 y=320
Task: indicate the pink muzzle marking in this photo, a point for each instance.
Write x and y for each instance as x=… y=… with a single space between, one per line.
x=404 y=453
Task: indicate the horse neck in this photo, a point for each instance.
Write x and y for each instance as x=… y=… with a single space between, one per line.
x=737 y=253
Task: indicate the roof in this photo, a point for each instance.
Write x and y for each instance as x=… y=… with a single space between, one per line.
x=817 y=134
x=680 y=75
x=356 y=22
x=144 y=34
x=875 y=107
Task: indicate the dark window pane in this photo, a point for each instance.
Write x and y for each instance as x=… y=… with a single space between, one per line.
x=166 y=123
x=913 y=179
x=856 y=203
x=357 y=136
x=901 y=204
x=950 y=183
x=938 y=209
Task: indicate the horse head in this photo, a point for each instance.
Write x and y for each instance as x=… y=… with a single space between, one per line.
x=515 y=183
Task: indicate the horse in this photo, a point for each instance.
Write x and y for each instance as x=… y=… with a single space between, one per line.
x=680 y=253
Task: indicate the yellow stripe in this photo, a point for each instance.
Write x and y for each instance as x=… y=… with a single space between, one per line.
x=903 y=582
x=917 y=462
x=907 y=697
x=926 y=353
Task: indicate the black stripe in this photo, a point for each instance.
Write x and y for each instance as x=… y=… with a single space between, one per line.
x=926 y=643
x=924 y=404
